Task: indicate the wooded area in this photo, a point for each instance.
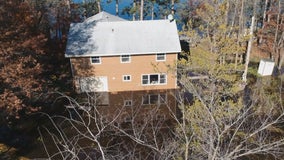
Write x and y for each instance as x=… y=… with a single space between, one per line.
x=233 y=113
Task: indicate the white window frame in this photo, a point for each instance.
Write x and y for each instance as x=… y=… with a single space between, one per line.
x=147 y=77
x=127 y=103
x=125 y=79
x=159 y=55
x=150 y=96
x=125 y=56
x=99 y=58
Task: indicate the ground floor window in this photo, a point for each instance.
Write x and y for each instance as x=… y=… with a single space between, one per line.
x=92 y=84
x=154 y=99
x=127 y=102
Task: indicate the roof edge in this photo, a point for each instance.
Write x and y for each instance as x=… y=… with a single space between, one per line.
x=118 y=54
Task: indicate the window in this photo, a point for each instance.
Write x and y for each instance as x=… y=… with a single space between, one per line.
x=126 y=78
x=125 y=58
x=127 y=119
x=161 y=57
x=160 y=117
x=128 y=103
x=163 y=99
x=154 y=99
x=93 y=84
x=152 y=79
x=163 y=79
x=96 y=60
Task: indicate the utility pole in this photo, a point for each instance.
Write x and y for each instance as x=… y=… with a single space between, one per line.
x=248 y=50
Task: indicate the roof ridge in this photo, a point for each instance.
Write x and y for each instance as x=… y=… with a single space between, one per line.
x=104 y=16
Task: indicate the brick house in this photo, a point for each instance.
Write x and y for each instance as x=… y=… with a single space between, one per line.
x=112 y=55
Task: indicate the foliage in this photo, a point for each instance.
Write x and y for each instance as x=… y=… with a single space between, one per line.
x=222 y=124
x=25 y=57
x=225 y=119
x=215 y=40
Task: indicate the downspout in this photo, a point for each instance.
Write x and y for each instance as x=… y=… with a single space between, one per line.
x=72 y=69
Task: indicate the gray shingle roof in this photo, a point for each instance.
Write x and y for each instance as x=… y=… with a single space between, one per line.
x=108 y=38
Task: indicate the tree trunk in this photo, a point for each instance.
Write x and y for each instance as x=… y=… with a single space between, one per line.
x=68 y=6
x=234 y=16
x=277 y=28
x=232 y=25
x=236 y=60
x=141 y=9
x=240 y=32
x=281 y=57
x=152 y=11
x=248 y=50
x=280 y=50
x=241 y=21
x=99 y=5
x=263 y=20
x=116 y=7
x=227 y=13
x=173 y=2
x=134 y=13
x=255 y=8
x=264 y=13
x=173 y=7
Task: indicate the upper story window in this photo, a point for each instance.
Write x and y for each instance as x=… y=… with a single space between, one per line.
x=125 y=58
x=96 y=60
x=154 y=79
x=161 y=57
x=126 y=78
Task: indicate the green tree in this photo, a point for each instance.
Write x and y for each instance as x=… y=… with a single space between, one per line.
x=224 y=120
x=230 y=125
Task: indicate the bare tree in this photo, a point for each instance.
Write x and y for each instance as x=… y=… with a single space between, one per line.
x=88 y=132
x=78 y=134
x=215 y=124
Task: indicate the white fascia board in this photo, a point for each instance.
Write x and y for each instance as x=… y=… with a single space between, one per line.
x=119 y=54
